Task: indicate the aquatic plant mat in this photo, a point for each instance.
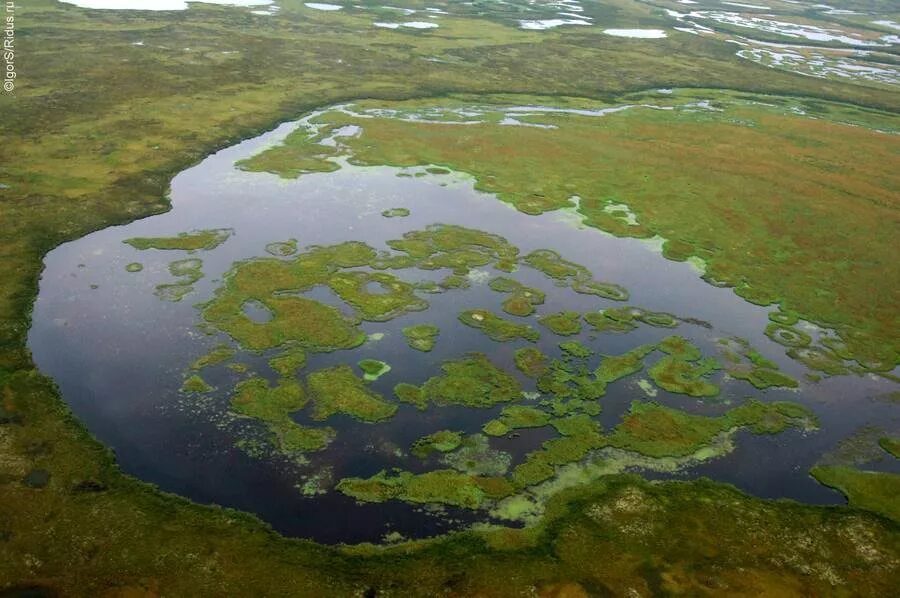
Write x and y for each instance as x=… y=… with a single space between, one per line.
x=422 y=341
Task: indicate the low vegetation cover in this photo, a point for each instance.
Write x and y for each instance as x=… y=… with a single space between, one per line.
x=775 y=184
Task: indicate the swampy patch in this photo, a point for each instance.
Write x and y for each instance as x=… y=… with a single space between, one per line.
x=354 y=339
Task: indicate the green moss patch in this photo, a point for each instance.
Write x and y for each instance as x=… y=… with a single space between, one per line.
x=134 y=267
x=193 y=241
x=601 y=322
x=530 y=361
x=443 y=486
x=576 y=350
x=410 y=393
x=475 y=457
x=217 y=355
x=306 y=322
x=497 y=328
x=656 y=431
x=607 y=290
x=581 y=435
x=472 y=381
x=195 y=384
x=787 y=336
x=373 y=369
x=455 y=247
x=657 y=319
x=564 y=323
x=393 y=298
x=282 y=248
x=763 y=378
x=680 y=348
x=615 y=367
x=395 y=213
x=871 y=490
x=338 y=390
x=289 y=361
x=817 y=358
x=685 y=377
x=272 y=406
x=555 y=266
x=301 y=152
x=442 y=441
x=891 y=445
x=522 y=299
x=572 y=387
x=421 y=337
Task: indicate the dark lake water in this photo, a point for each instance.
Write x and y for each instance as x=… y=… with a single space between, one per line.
x=119 y=353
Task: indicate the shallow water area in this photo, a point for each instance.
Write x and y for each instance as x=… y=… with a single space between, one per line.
x=120 y=354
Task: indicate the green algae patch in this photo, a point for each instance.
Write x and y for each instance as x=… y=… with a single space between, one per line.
x=196 y=384
x=564 y=323
x=395 y=213
x=871 y=490
x=216 y=356
x=288 y=362
x=472 y=381
x=134 y=267
x=891 y=445
x=787 y=336
x=373 y=369
x=421 y=337
x=531 y=361
x=337 y=390
x=615 y=367
x=497 y=328
x=393 y=298
x=685 y=377
x=475 y=457
x=272 y=406
x=442 y=441
x=193 y=241
x=442 y=486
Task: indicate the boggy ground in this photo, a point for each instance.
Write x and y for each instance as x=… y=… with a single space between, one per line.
x=92 y=136
x=767 y=199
